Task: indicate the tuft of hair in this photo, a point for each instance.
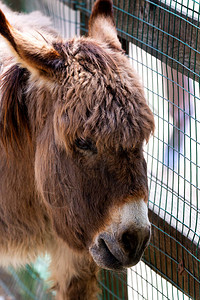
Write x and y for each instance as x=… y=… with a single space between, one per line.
x=13 y=120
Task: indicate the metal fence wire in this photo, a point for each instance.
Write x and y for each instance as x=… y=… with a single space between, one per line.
x=162 y=40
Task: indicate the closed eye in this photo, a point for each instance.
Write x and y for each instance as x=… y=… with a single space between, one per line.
x=86 y=144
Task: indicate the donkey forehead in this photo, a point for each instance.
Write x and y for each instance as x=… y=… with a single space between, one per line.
x=101 y=115
x=103 y=99
x=105 y=114
x=89 y=51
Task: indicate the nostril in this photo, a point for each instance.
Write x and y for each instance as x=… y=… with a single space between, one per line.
x=130 y=241
x=133 y=241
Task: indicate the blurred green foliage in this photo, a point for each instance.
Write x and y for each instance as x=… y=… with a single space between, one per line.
x=18 y=5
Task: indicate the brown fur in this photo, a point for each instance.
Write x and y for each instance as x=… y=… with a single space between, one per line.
x=14 y=111
x=56 y=97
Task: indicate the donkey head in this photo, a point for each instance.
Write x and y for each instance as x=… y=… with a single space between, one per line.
x=90 y=124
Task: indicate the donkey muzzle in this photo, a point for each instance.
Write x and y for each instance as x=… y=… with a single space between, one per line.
x=122 y=244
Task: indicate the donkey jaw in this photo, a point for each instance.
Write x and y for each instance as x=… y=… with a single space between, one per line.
x=122 y=244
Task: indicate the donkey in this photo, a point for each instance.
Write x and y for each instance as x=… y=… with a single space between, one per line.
x=73 y=179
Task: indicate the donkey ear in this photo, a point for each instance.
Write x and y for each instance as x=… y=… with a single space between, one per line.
x=102 y=25
x=33 y=53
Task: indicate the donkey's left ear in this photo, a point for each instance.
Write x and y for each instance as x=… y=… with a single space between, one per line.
x=36 y=54
x=102 y=25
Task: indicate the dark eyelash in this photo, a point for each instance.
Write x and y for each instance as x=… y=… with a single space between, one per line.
x=85 y=144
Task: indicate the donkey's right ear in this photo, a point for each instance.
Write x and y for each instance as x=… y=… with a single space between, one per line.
x=102 y=25
x=36 y=54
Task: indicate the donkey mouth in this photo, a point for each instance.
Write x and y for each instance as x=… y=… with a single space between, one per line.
x=107 y=258
x=104 y=257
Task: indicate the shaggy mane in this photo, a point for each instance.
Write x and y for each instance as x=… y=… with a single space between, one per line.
x=13 y=115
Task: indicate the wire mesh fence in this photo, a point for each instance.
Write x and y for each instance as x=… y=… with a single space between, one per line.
x=162 y=40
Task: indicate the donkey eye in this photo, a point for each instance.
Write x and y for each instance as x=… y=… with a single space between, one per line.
x=85 y=144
